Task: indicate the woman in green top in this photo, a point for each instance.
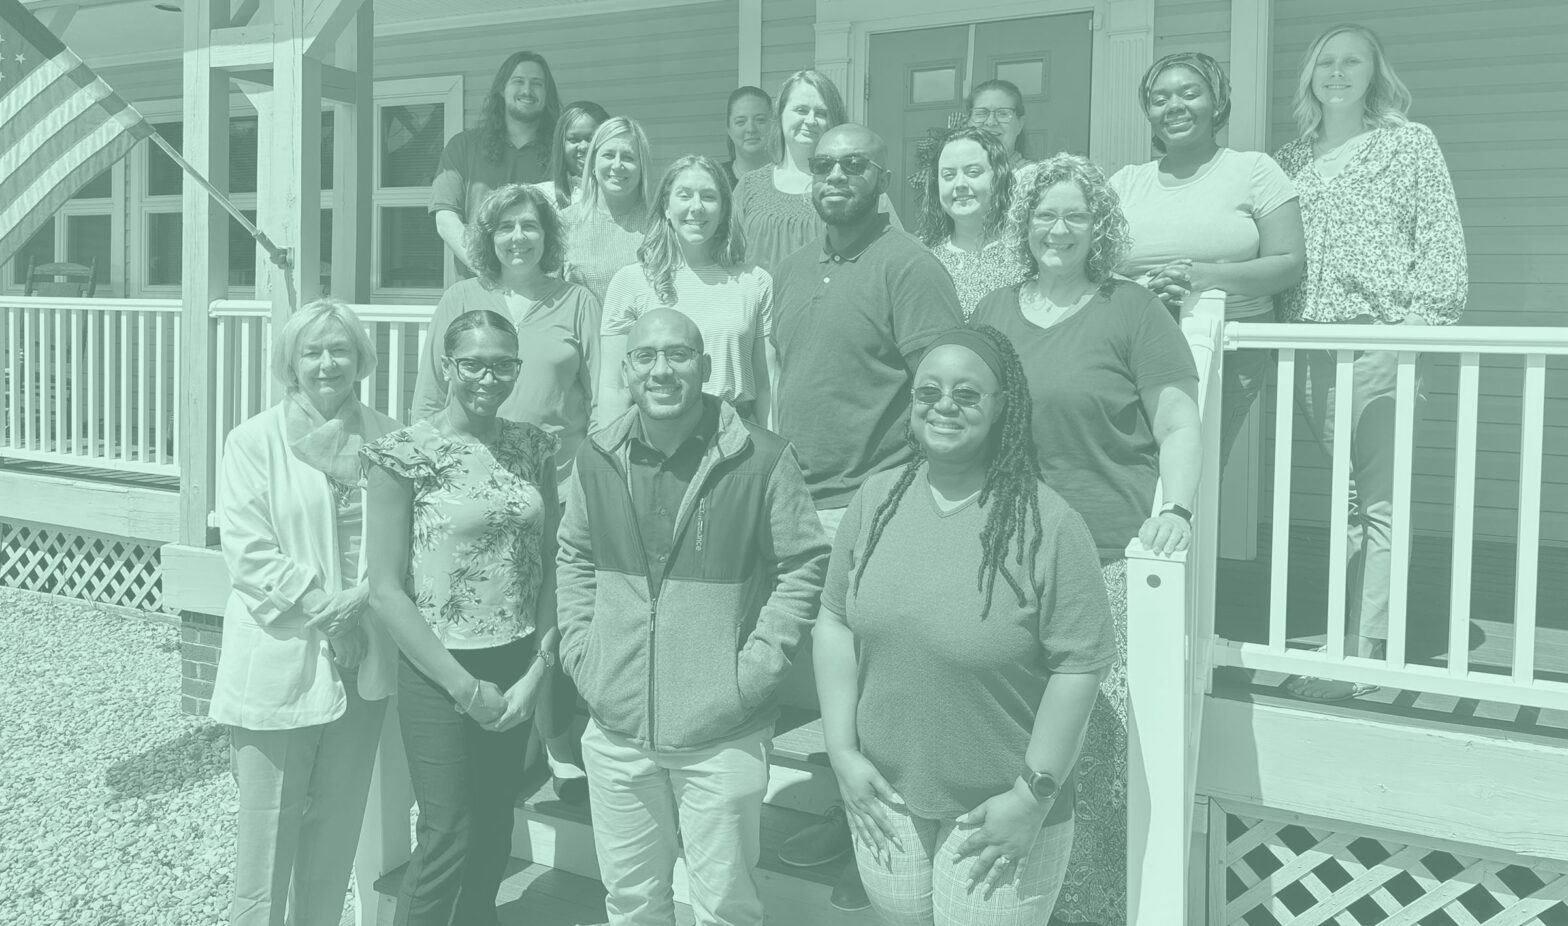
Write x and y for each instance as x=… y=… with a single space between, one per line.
x=963 y=633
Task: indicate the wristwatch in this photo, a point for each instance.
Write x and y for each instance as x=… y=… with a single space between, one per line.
x=1177 y=510
x=1042 y=785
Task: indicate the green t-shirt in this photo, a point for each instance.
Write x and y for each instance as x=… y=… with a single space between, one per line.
x=948 y=698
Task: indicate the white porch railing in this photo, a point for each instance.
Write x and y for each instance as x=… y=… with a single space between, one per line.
x=91 y=382
x=1522 y=684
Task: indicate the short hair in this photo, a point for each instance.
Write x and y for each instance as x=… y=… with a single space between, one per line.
x=475 y=320
x=1009 y=88
x=831 y=98
x=285 y=347
x=736 y=95
x=609 y=130
x=560 y=167
x=1387 y=101
x=492 y=112
x=479 y=239
x=1109 y=239
x=1208 y=71
x=660 y=251
x=935 y=223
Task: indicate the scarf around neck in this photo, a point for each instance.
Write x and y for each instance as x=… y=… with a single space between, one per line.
x=330 y=445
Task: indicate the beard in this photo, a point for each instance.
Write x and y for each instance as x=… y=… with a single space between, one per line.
x=515 y=111
x=846 y=213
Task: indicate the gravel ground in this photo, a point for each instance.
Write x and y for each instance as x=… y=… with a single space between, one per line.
x=115 y=808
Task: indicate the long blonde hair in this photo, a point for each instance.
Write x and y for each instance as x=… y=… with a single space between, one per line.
x=1387 y=100
x=611 y=129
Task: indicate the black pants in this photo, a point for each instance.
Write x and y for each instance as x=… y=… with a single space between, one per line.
x=466 y=781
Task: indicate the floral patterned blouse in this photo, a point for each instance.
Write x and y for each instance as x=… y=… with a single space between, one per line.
x=479 y=521
x=1383 y=236
x=994 y=266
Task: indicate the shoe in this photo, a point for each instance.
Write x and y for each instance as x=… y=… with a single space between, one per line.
x=1324 y=690
x=819 y=843
x=849 y=894
x=572 y=791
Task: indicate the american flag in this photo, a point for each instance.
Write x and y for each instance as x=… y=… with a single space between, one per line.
x=60 y=126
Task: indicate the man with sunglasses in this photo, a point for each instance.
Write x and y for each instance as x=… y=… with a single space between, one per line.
x=852 y=317
x=689 y=571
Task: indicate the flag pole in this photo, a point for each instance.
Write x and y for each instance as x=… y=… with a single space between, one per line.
x=279 y=256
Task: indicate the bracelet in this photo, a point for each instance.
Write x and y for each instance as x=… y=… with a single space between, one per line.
x=474 y=699
x=1178 y=511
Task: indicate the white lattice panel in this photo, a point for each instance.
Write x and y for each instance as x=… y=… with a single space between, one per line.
x=1276 y=872
x=111 y=570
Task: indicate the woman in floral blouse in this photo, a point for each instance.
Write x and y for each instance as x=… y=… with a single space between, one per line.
x=968 y=190
x=462 y=518
x=1384 y=247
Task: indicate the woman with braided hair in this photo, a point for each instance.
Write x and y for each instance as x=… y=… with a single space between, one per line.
x=963 y=634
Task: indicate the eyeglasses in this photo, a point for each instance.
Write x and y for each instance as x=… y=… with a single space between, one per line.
x=643 y=358
x=1002 y=114
x=1077 y=221
x=470 y=370
x=853 y=164
x=962 y=396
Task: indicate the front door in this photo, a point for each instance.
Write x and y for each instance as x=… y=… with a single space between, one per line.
x=917 y=82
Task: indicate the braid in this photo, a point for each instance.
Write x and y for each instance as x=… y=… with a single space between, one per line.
x=1012 y=480
x=886 y=510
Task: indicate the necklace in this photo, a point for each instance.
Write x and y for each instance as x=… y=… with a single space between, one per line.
x=1043 y=311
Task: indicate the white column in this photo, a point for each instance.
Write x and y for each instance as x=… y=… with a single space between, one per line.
x=749 y=42
x=833 y=60
x=1123 y=49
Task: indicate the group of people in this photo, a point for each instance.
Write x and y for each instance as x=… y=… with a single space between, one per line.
x=688 y=455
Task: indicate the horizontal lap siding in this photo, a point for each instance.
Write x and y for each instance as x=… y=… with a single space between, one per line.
x=1492 y=82
x=1192 y=25
x=789 y=40
x=670 y=69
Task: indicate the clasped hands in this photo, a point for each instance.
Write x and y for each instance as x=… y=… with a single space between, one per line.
x=336 y=614
x=498 y=711
x=1005 y=826
x=1172 y=283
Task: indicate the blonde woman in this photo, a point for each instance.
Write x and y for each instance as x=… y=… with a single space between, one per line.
x=302 y=678
x=605 y=225
x=1385 y=246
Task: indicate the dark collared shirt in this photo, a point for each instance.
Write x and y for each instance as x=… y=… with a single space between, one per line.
x=658 y=484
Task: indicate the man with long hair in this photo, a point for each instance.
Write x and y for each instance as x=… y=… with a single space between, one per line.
x=511 y=144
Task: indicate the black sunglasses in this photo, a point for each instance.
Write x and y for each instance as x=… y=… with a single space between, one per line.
x=853 y=165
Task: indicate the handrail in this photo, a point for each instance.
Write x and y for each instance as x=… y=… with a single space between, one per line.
x=370 y=314
x=96 y=303
x=1430 y=339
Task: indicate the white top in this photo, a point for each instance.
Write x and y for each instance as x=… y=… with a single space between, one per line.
x=276 y=515
x=731 y=306
x=1211 y=217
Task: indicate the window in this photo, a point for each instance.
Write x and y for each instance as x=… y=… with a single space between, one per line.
x=83 y=231
x=39 y=249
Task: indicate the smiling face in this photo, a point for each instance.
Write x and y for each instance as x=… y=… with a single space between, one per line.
x=963 y=180
x=663 y=389
x=327 y=365
x=526 y=91
x=1006 y=132
x=1180 y=109
x=946 y=431
x=576 y=141
x=1343 y=71
x=483 y=398
x=616 y=167
x=805 y=116
x=750 y=120
x=1061 y=229
x=519 y=238
x=694 y=207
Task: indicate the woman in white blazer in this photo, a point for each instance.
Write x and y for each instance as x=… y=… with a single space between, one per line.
x=302 y=679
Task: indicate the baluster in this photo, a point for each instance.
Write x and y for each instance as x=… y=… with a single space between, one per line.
x=16 y=347
x=57 y=380
x=1339 y=500
x=223 y=388
x=1404 y=475
x=1532 y=432
x=1466 y=432
x=176 y=394
x=125 y=385
x=1279 y=544
x=94 y=383
x=142 y=377
x=160 y=383
x=395 y=391
x=30 y=378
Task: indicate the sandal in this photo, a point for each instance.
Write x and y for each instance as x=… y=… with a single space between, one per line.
x=1334 y=690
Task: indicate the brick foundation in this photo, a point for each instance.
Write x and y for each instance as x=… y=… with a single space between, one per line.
x=201 y=636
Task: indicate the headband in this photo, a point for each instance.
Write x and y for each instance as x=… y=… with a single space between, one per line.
x=977 y=342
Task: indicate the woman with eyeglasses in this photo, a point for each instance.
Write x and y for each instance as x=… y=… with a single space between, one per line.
x=958 y=653
x=1115 y=412
x=693 y=259
x=461 y=555
x=997 y=106
x=1205 y=217
x=772 y=204
x=968 y=191
x=605 y=225
x=747 y=133
x=569 y=152
x=1385 y=246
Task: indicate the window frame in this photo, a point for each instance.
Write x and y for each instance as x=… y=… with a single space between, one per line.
x=446 y=90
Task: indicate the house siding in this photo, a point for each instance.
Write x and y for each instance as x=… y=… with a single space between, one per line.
x=1491 y=81
x=789 y=40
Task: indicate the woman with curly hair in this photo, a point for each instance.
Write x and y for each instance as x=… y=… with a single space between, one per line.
x=516 y=246
x=1206 y=217
x=967 y=193
x=574 y=132
x=693 y=259
x=605 y=225
x=1115 y=411
x=1385 y=247
x=955 y=693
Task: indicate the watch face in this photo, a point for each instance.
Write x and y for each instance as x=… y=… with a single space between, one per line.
x=1043 y=786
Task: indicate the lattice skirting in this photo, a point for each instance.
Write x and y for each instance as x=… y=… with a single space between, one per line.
x=92 y=567
x=1277 y=869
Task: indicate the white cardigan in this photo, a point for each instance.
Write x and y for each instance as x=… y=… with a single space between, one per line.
x=279 y=531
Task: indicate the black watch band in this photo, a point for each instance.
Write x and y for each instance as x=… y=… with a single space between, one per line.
x=1178 y=511
x=1042 y=785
